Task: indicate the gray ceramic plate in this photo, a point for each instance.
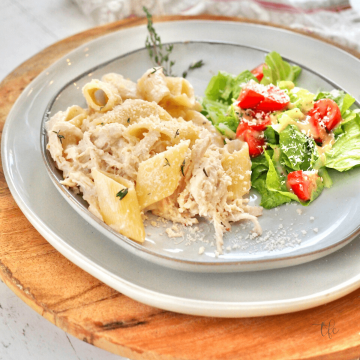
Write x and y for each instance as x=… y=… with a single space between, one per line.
x=284 y=241
x=213 y=294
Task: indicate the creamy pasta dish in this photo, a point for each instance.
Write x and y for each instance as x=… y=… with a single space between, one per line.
x=145 y=146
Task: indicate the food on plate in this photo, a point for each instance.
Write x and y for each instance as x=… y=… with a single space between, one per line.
x=145 y=146
x=294 y=136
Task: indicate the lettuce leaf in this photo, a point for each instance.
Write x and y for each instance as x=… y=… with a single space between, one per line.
x=278 y=70
x=269 y=199
x=225 y=87
x=260 y=168
x=272 y=137
x=299 y=151
x=345 y=153
x=219 y=113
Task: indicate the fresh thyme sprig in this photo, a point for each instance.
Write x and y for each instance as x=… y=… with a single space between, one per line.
x=61 y=137
x=159 y=53
x=167 y=162
x=193 y=66
x=122 y=193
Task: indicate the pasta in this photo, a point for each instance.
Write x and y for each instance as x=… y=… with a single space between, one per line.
x=146 y=147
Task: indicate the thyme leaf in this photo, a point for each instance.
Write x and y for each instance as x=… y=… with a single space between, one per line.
x=177 y=133
x=193 y=66
x=128 y=120
x=122 y=193
x=155 y=70
x=61 y=137
x=167 y=162
x=205 y=172
x=182 y=167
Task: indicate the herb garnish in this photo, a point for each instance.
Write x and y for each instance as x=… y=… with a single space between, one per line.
x=155 y=48
x=128 y=120
x=122 y=193
x=160 y=53
x=205 y=172
x=167 y=162
x=155 y=70
x=193 y=66
x=59 y=136
x=177 y=133
x=182 y=167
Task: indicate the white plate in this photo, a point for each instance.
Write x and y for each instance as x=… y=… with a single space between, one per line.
x=246 y=294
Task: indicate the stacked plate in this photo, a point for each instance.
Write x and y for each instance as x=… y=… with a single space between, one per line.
x=289 y=270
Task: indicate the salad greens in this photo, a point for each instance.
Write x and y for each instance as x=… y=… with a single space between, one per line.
x=289 y=148
x=278 y=70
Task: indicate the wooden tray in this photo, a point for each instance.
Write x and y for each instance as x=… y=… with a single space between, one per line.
x=90 y=310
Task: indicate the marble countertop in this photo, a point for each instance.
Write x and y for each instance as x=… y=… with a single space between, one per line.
x=27 y=28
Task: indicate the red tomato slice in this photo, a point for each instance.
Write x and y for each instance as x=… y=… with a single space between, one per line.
x=249 y=98
x=327 y=112
x=317 y=131
x=243 y=127
x=262 y=98
x=302 y=184
x=255 y=143
x=254 y=139
x=258 y=72
x=259 y=120
x=275 y=100
x=262 y=124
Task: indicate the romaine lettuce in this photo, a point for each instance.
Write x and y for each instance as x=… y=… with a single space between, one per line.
x=260 y=168
x=278 y=70
x=298 y=149
x=345 y=153
x=225 y=87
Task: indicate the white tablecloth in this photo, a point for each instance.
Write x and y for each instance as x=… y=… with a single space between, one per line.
x=333 y=19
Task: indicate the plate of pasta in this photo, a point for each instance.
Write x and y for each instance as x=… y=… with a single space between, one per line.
x=134 y=155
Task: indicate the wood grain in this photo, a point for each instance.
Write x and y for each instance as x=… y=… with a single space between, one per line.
x=90 y=310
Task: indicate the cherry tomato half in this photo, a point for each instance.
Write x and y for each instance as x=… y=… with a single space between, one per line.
x=326 y=112
x=254 y=139
x=302 y=184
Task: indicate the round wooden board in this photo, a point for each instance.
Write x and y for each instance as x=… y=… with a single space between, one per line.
x=90 y=310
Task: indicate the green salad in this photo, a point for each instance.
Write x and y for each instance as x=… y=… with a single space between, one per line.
x=293 y=135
